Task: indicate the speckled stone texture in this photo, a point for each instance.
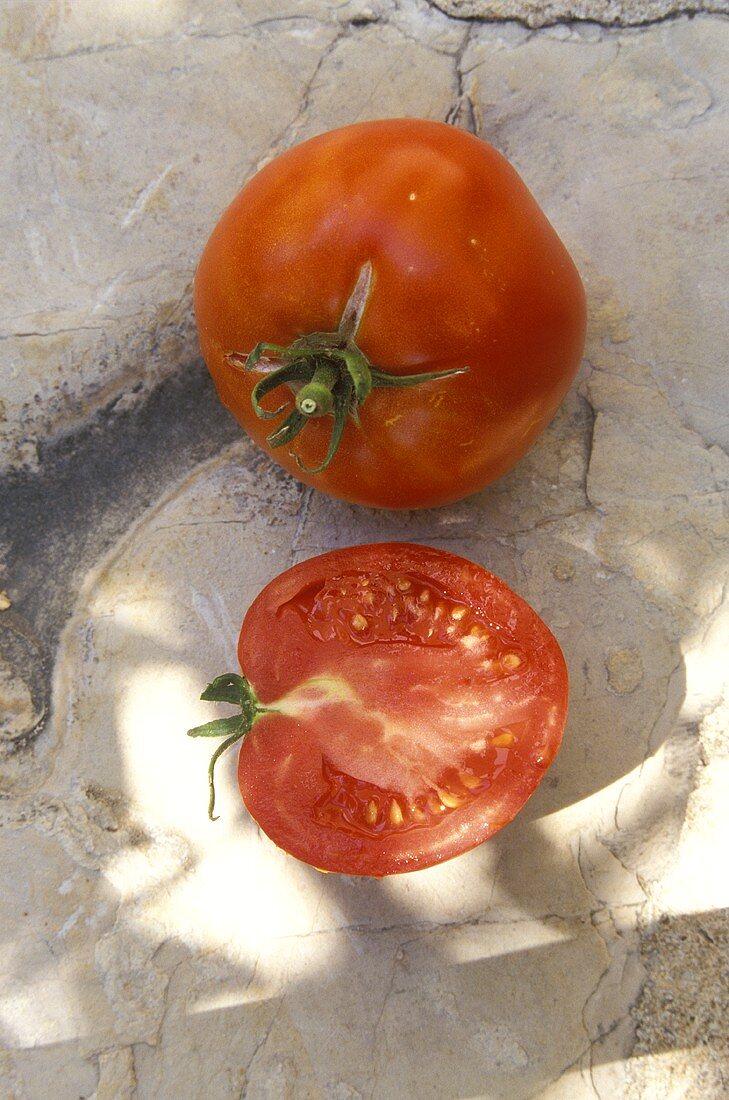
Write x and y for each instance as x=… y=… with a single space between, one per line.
x=607 y=13
x=147 y=953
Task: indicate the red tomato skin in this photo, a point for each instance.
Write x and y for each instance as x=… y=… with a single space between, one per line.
x=467 y=272
x=280 y=767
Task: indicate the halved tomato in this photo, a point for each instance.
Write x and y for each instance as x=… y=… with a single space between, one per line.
x=399 y=705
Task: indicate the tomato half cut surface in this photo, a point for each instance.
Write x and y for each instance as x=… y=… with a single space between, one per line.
x=404 y=704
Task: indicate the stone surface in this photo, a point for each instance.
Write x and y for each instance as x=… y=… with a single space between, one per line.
x=535 y=13
x=146 y=952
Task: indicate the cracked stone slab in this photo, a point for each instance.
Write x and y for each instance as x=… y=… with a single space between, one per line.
x=577 y=954
x=101 y=261
x=176 y=944
x=98 y=301
x=535 y=13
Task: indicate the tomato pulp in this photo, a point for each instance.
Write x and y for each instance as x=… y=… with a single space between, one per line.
x=402 y=705
x=416 y=250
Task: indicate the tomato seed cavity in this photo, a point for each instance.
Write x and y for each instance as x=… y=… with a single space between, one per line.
x=360 y=808
x=388 y=607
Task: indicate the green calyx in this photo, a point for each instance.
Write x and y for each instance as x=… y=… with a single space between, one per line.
x=327 y=373
x=229 y=688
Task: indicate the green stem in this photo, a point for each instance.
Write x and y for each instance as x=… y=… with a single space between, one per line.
x=328 y=374
x=360 y=371
x=292 y=372
x=235 y=689
x=342 y=402
x=316 y=398
x=287 y=432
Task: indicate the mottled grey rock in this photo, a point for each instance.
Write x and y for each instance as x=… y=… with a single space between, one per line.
x=608 y=13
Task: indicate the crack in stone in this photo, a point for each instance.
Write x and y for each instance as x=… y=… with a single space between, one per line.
x=650 y=750
x=699 y=77
x=584 y=396
x=301 y=518
x=166 y=1004
x=107 y=1053
x=523 y=14
x=287 y=136
x=558 y=1076
x=544 y=16
x=144 y=43
x=281 y=20
x=423 y=929
x=50 y=333
x=600 y=914
x=243 y=522
x=654 y=388
x=397 y=956
x=548 y=521
x=260 y=1045
x=650 y=181
x=404 y=8
x=465 y=112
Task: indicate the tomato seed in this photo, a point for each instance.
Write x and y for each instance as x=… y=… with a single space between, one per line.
x=448 y=799
x=511 y=660
x=502 y=740
x=395 y=812
x=371 y=812
x=469 y=781
x=382 y=608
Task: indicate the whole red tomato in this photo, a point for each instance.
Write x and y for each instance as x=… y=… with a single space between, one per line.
x=394 y=295
x=398 y=704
